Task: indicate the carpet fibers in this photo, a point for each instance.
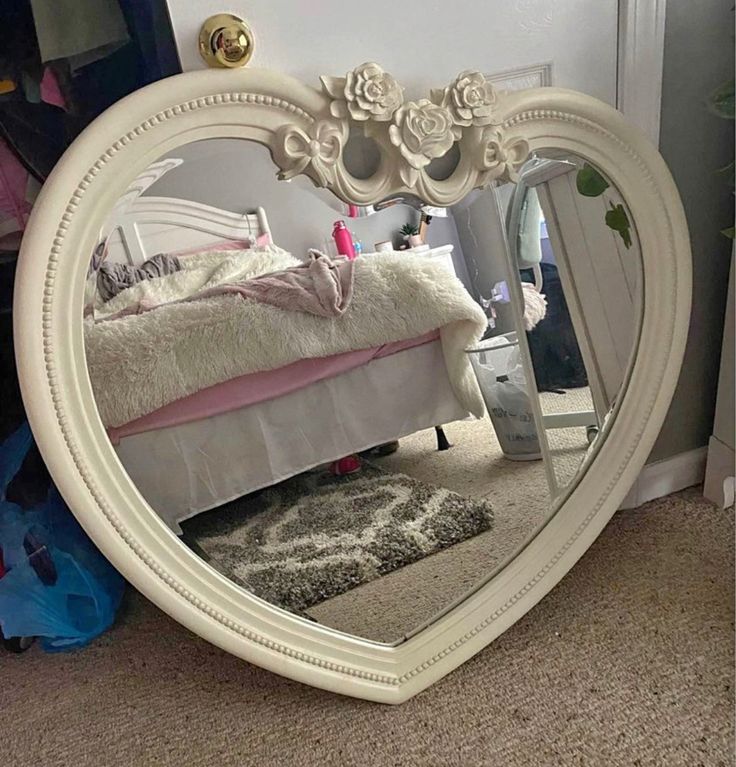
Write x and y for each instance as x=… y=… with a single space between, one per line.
x=315 y=536
x=629 y=661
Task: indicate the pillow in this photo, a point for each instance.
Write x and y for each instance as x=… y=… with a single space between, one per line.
x=113 y=278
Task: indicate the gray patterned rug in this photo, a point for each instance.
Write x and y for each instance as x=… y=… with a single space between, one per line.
x=315 y=536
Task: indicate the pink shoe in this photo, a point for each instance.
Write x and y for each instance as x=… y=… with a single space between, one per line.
x=348 y=465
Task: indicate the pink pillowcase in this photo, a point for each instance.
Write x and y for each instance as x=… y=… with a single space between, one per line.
x=261 y=241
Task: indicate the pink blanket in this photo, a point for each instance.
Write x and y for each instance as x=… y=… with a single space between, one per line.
x=320 y=286
x=258 y=387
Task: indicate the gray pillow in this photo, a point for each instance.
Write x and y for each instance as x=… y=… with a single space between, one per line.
x=114 y=278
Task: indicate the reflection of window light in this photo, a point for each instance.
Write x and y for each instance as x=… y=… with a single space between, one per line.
x=543 y=230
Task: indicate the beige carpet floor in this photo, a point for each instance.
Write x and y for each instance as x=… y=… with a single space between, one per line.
x=629 y=661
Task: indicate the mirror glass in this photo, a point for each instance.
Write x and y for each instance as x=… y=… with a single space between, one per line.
x=358 y=414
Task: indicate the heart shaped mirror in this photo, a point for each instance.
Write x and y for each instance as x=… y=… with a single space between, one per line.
x=346 y=382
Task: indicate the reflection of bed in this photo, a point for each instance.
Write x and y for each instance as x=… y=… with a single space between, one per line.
x=184 y=466
x=185 y=469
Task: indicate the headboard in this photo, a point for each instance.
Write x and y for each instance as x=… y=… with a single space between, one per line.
x=150 y=225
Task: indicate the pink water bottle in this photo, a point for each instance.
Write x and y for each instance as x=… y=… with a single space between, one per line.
x=343 y=240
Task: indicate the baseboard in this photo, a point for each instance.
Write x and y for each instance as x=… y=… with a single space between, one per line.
x=719 y=474
x=667 y=476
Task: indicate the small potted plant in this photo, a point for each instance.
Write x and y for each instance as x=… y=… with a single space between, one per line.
x=411 y=235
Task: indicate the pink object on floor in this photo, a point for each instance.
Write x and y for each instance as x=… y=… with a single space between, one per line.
x=348 y=465
x=259 y=387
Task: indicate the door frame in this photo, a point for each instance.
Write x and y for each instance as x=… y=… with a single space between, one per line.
x=640 y=63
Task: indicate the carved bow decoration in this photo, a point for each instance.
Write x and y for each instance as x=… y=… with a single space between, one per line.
x=318 y=150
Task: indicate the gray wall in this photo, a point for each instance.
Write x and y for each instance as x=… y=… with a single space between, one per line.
x=698 y=56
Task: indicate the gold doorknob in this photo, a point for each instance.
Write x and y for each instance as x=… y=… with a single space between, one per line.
x=226 y=41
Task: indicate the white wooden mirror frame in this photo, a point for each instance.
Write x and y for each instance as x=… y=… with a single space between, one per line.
x=305 y=130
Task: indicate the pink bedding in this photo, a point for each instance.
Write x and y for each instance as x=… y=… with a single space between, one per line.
x=258 y=387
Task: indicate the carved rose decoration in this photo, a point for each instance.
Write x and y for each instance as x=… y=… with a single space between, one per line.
x=502 y=157
x=422 y=131
x=320 y=148
x=365 y=93
x=470 y=99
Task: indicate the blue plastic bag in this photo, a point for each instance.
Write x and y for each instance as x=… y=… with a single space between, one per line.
x=57 y=586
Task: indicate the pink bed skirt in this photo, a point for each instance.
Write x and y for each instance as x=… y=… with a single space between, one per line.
x=258 y=387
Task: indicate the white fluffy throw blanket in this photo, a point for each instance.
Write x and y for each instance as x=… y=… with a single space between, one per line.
x=140 y=363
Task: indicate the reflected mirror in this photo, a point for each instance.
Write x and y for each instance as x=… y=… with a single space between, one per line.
x=358 y=414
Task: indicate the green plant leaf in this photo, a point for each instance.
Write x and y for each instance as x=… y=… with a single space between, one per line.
x=722 y=100
x=617 y=220
x=729 y=232
x=589 y=182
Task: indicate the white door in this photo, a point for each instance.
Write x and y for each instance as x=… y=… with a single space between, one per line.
x=425 y=43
